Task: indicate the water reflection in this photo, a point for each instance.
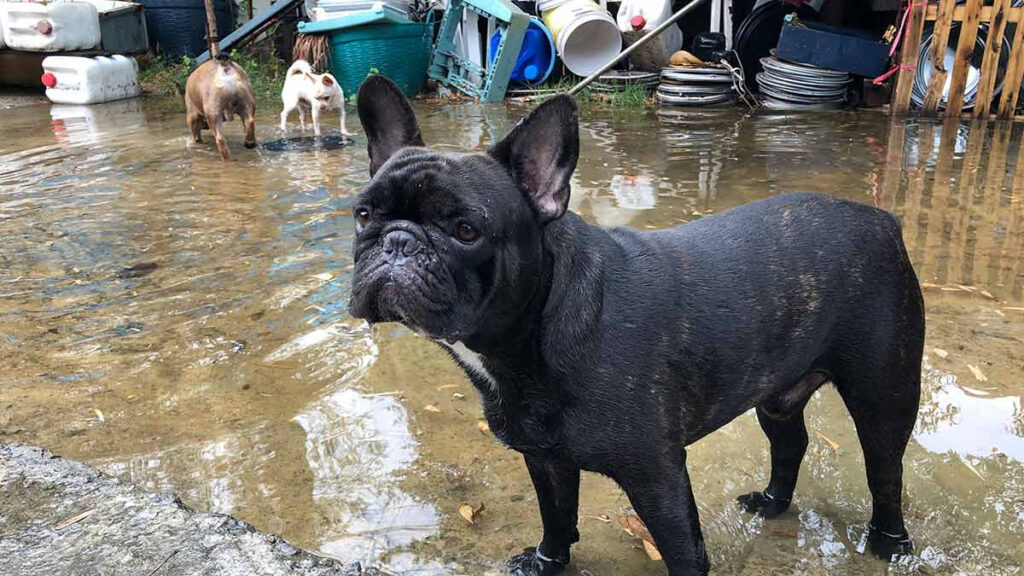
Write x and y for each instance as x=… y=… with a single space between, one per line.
x=233 y=375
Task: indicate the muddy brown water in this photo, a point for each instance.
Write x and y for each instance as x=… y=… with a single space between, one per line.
x=224 y=367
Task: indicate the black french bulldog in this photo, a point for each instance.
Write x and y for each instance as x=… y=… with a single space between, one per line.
x=612 y=350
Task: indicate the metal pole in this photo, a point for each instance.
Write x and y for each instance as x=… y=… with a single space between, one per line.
x=634 y=46
x=211 y=29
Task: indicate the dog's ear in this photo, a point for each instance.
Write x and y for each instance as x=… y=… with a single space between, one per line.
x=541 y=153
x=388 y=120
x=328 y=80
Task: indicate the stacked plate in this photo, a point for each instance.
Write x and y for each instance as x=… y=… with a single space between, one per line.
x=790 y=86
x=617 y=80
x=695 y=87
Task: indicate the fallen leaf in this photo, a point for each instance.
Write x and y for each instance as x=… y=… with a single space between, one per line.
x=940 y=352
x=73 y=520
x=632 y=524
x=99 y=414
x=977 y=373
x=652 y=551
x=987 y=294
x=482 y=425
x=1000 y=313
x=431 y=408
x=966 y=288
x=831 y=443
x=601 y=518
x=458 y=396
x=447 y=387
x=471 y=514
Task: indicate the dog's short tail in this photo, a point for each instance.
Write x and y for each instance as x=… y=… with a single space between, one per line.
x=300 y=67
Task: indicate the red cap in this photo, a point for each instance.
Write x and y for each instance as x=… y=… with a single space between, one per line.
x=638 y=22
x=49 y=80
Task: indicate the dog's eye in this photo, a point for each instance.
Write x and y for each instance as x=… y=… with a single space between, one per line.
x=465 y=233
x=362 y=219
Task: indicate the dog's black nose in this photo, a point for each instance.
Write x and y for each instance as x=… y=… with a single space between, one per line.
x=399 y=245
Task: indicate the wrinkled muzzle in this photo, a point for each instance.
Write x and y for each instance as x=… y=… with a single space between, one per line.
x=402 y=280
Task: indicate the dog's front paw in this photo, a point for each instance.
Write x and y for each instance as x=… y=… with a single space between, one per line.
x=529 y=563
x=887 y=546
x=763 y=504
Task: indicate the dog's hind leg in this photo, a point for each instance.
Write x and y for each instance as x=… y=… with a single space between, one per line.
x=194 y=120
x=218 y=133
x=249 y=120
x=883 y=400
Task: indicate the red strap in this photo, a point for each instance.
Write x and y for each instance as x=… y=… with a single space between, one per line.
x=908 y=17
x=892 y=71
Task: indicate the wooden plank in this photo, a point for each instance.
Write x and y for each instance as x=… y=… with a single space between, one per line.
x=1014 y=72
x=990 y=64
x=987 y=13
x=908 y=57
x=962 y=63
x=942 y=195
x=940 y=40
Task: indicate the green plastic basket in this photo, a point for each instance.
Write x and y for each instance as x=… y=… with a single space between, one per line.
x=378 y=42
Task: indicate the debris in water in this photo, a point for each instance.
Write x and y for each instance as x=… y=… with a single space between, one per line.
x=831 y=443
x=99 y=414
x=482 y=425
x=940 y=352
x=137 y=270
x=600 y=518
x=74 y=519
x=458 y=395
x=471 y=514
x=978 y=373
x=432 y=408
x=632 y=524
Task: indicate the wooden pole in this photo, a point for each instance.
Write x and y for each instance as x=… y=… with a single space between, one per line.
x=211 y=29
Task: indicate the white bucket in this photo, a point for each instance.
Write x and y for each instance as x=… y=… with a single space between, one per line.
x=79 y=80
x=585 y=34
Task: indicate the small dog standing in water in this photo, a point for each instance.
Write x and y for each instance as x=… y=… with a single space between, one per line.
x=317 y=93
x=214 y=93
x=613 y=350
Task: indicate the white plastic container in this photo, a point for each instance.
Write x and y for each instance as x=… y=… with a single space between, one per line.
x=585 y=34
x=638 y=17
x=2 y=43
x=52 y=27
x=79 y=80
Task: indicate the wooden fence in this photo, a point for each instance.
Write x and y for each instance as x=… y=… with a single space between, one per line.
x=945 y=14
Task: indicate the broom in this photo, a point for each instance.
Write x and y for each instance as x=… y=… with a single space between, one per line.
x=313 y=48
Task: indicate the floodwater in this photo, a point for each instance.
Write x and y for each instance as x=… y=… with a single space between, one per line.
x=224 y=367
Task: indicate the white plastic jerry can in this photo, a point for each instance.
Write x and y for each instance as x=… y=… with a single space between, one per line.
x=49 y=27
x=80 y=80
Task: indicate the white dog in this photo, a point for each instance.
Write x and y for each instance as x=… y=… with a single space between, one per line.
x=314 y=92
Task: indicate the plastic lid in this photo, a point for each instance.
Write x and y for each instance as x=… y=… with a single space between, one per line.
x=638 y=22
x=531 y=72
x=49 y=80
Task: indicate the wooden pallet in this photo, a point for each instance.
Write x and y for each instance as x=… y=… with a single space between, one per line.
x=944 y=14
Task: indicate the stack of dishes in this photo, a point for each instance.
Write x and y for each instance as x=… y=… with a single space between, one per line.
x=789 y=86
x=617 y=80
x=696 y=86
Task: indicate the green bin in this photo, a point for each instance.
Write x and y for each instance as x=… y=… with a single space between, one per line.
x=381 y=40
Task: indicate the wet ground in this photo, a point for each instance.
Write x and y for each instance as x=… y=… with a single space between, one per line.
x=180 y=323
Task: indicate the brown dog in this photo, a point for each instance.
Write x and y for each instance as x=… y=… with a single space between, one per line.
x=215 y=92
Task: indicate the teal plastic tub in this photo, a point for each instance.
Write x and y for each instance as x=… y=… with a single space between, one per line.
x=380 y=41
